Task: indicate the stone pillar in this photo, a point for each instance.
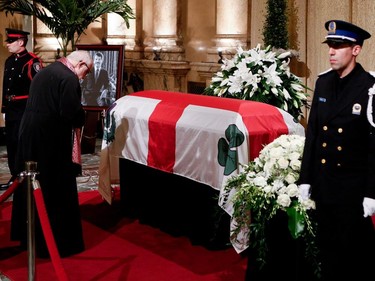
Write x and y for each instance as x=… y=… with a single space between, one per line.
x=119 y=34
x=231 y=28
x=164 y=66
x=166 y=42
x=45 y=43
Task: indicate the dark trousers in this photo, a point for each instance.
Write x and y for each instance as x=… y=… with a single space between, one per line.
x=346 y=242
x=11 y=141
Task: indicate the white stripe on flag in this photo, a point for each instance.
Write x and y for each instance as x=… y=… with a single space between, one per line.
x=197 y=135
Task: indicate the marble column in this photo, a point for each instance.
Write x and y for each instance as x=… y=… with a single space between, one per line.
x=166 y=43
x=231 y=28
x=232 y=31
x=119 y=34
x=164 y=66
x=45 y=43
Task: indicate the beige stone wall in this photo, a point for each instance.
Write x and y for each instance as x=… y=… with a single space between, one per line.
x=194 y=41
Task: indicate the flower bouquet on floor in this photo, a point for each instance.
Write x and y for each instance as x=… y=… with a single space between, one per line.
x=266 y=187
x=261 y=75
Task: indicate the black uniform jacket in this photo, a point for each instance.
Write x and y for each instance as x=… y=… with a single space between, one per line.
x=19 y=70
x=339 y=153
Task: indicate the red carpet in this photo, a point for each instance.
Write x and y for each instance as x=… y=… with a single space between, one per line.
x=118 y=248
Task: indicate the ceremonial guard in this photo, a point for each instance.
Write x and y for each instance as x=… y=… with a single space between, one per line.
x=20 y=68
x=338 y=165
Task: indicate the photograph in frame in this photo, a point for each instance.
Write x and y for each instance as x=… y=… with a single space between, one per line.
x=103 y=85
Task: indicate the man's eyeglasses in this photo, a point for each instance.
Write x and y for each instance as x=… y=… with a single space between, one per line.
x=88 y=68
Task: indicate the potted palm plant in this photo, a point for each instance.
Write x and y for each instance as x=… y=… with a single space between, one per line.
x=68 y=19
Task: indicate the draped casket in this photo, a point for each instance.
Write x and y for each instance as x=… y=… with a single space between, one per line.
x=203 y=138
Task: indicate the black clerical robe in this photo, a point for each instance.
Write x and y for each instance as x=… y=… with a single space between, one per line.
x=53 y=110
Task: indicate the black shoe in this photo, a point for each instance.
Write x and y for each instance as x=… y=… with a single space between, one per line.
x=5 y=186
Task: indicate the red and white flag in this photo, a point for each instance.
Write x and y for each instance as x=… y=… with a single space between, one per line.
x=203 y=138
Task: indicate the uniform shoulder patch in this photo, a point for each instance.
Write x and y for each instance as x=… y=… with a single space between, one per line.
x=37 y=66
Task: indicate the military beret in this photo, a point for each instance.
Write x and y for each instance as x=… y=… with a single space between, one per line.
x=345 y=32
x=14 y=34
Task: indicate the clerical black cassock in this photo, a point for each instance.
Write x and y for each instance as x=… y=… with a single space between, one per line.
x=52 y=111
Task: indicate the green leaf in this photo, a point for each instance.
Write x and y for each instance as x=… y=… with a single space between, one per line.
x=296 y=222
x=68 y=19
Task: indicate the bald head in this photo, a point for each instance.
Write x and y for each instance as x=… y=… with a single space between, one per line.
x=80 y=56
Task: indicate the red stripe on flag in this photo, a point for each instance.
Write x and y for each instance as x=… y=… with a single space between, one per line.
x=263 y=121
x=264 y=124
x=162 y=135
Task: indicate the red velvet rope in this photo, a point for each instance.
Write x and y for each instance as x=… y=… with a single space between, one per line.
x=46 y=227
x=48 y=235
x=7 y=193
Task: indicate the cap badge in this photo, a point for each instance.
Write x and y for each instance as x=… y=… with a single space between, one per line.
x=332 y=27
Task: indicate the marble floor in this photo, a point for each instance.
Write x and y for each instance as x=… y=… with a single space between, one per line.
x=87 y=181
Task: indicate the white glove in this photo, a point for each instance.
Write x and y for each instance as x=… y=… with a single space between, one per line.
x=304 y=191
x=368 y=206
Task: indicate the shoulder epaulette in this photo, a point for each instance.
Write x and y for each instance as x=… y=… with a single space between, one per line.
x=36 y=57
x=33 y=55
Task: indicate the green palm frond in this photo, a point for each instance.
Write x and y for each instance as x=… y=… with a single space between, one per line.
x=67 y=18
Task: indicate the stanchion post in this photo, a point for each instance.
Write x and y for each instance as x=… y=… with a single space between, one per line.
x=30 y=167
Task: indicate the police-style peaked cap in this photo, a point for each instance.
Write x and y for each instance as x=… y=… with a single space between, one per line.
x=345 y=32
x=14 y=34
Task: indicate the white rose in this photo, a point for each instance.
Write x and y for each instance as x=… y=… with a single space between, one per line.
x=290 y=178
x=283 y=200
x=283 y=163
x=292 y=190
x=278 y=184
x=294 y=155
x=268 y=189
x=260 y=181
x=307 y=204
x=276 y=152
x=295 y=164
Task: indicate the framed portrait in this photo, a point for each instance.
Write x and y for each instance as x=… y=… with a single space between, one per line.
x=103 y=85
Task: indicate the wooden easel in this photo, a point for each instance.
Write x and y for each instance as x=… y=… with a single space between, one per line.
x=90 y=131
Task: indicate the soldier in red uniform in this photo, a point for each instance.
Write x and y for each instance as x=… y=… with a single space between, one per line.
x=20 y=68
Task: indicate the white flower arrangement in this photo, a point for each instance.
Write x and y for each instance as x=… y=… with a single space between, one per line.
x=260 y=75
x=266 y=186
